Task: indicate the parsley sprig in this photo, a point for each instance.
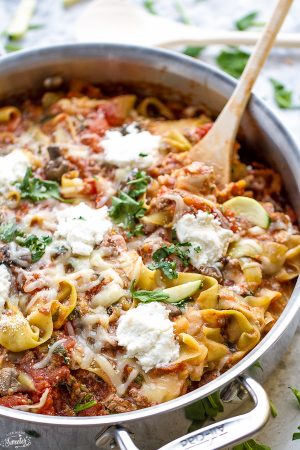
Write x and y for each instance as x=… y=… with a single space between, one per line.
x=36 y=244
x=35 y=189
x=168 y=267
x=126 y=208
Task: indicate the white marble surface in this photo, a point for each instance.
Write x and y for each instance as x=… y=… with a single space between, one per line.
x=58 y=27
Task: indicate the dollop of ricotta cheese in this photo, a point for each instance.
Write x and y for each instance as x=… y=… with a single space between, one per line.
x=147 y=334
x=5 y=282
x=136 y=149
x=13 y=167
x=209 y=240
x=82 y=227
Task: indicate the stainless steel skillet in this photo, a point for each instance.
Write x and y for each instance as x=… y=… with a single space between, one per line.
x=167 y=74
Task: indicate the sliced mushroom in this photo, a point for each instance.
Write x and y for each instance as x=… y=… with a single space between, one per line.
x=57 y=166
x=13 y=381
x=54 y=151
x=174 y=311
x=212 y=271
x=13 y=254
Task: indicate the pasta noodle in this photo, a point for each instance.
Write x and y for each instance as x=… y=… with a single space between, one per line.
x=127 y=276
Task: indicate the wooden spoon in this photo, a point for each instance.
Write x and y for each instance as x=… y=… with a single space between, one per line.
x=121 y=21
x=216 y=147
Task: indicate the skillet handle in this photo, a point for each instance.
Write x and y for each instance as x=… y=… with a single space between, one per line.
x=212 y=437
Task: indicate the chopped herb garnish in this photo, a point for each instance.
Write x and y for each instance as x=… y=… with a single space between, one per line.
x=61 y=351
x=173 y=249
x=138 y=185
x=296 y=435
x=248 y=21
x=233 y=61
x=273 y=409
x=36 y=244
x=296 y=393
x=194 y=52
x=282 y=96
x=8 y=232
x=204 y=409
x=182 y=12
x=143 y=155
x=251 y=445
x=168 y=267
x=35 y=189
x=126 y=209
x=197 y=249
x=150 y=6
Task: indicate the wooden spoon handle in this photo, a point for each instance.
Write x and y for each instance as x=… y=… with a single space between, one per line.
x=195 y=37
x=241 y=95
x=219 y=141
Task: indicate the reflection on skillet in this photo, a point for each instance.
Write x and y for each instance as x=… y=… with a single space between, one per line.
x=127 y=278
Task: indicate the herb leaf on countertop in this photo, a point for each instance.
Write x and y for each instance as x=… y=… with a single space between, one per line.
x=296 y=393
x=252 y=444
x=282 y=96
x=204 y=409
x=233 y=61
x=150 y=6
x=194 y=52
x=296 y=435
x=247 y=21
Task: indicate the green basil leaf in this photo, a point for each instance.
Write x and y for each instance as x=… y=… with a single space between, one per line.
x=194 y=52
x=282 y=96
x=233 y=61
x=204 y=409
x=150 y=6
x=296 y=435
x=246 y=22
x=251 y=445
x=181 y=11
